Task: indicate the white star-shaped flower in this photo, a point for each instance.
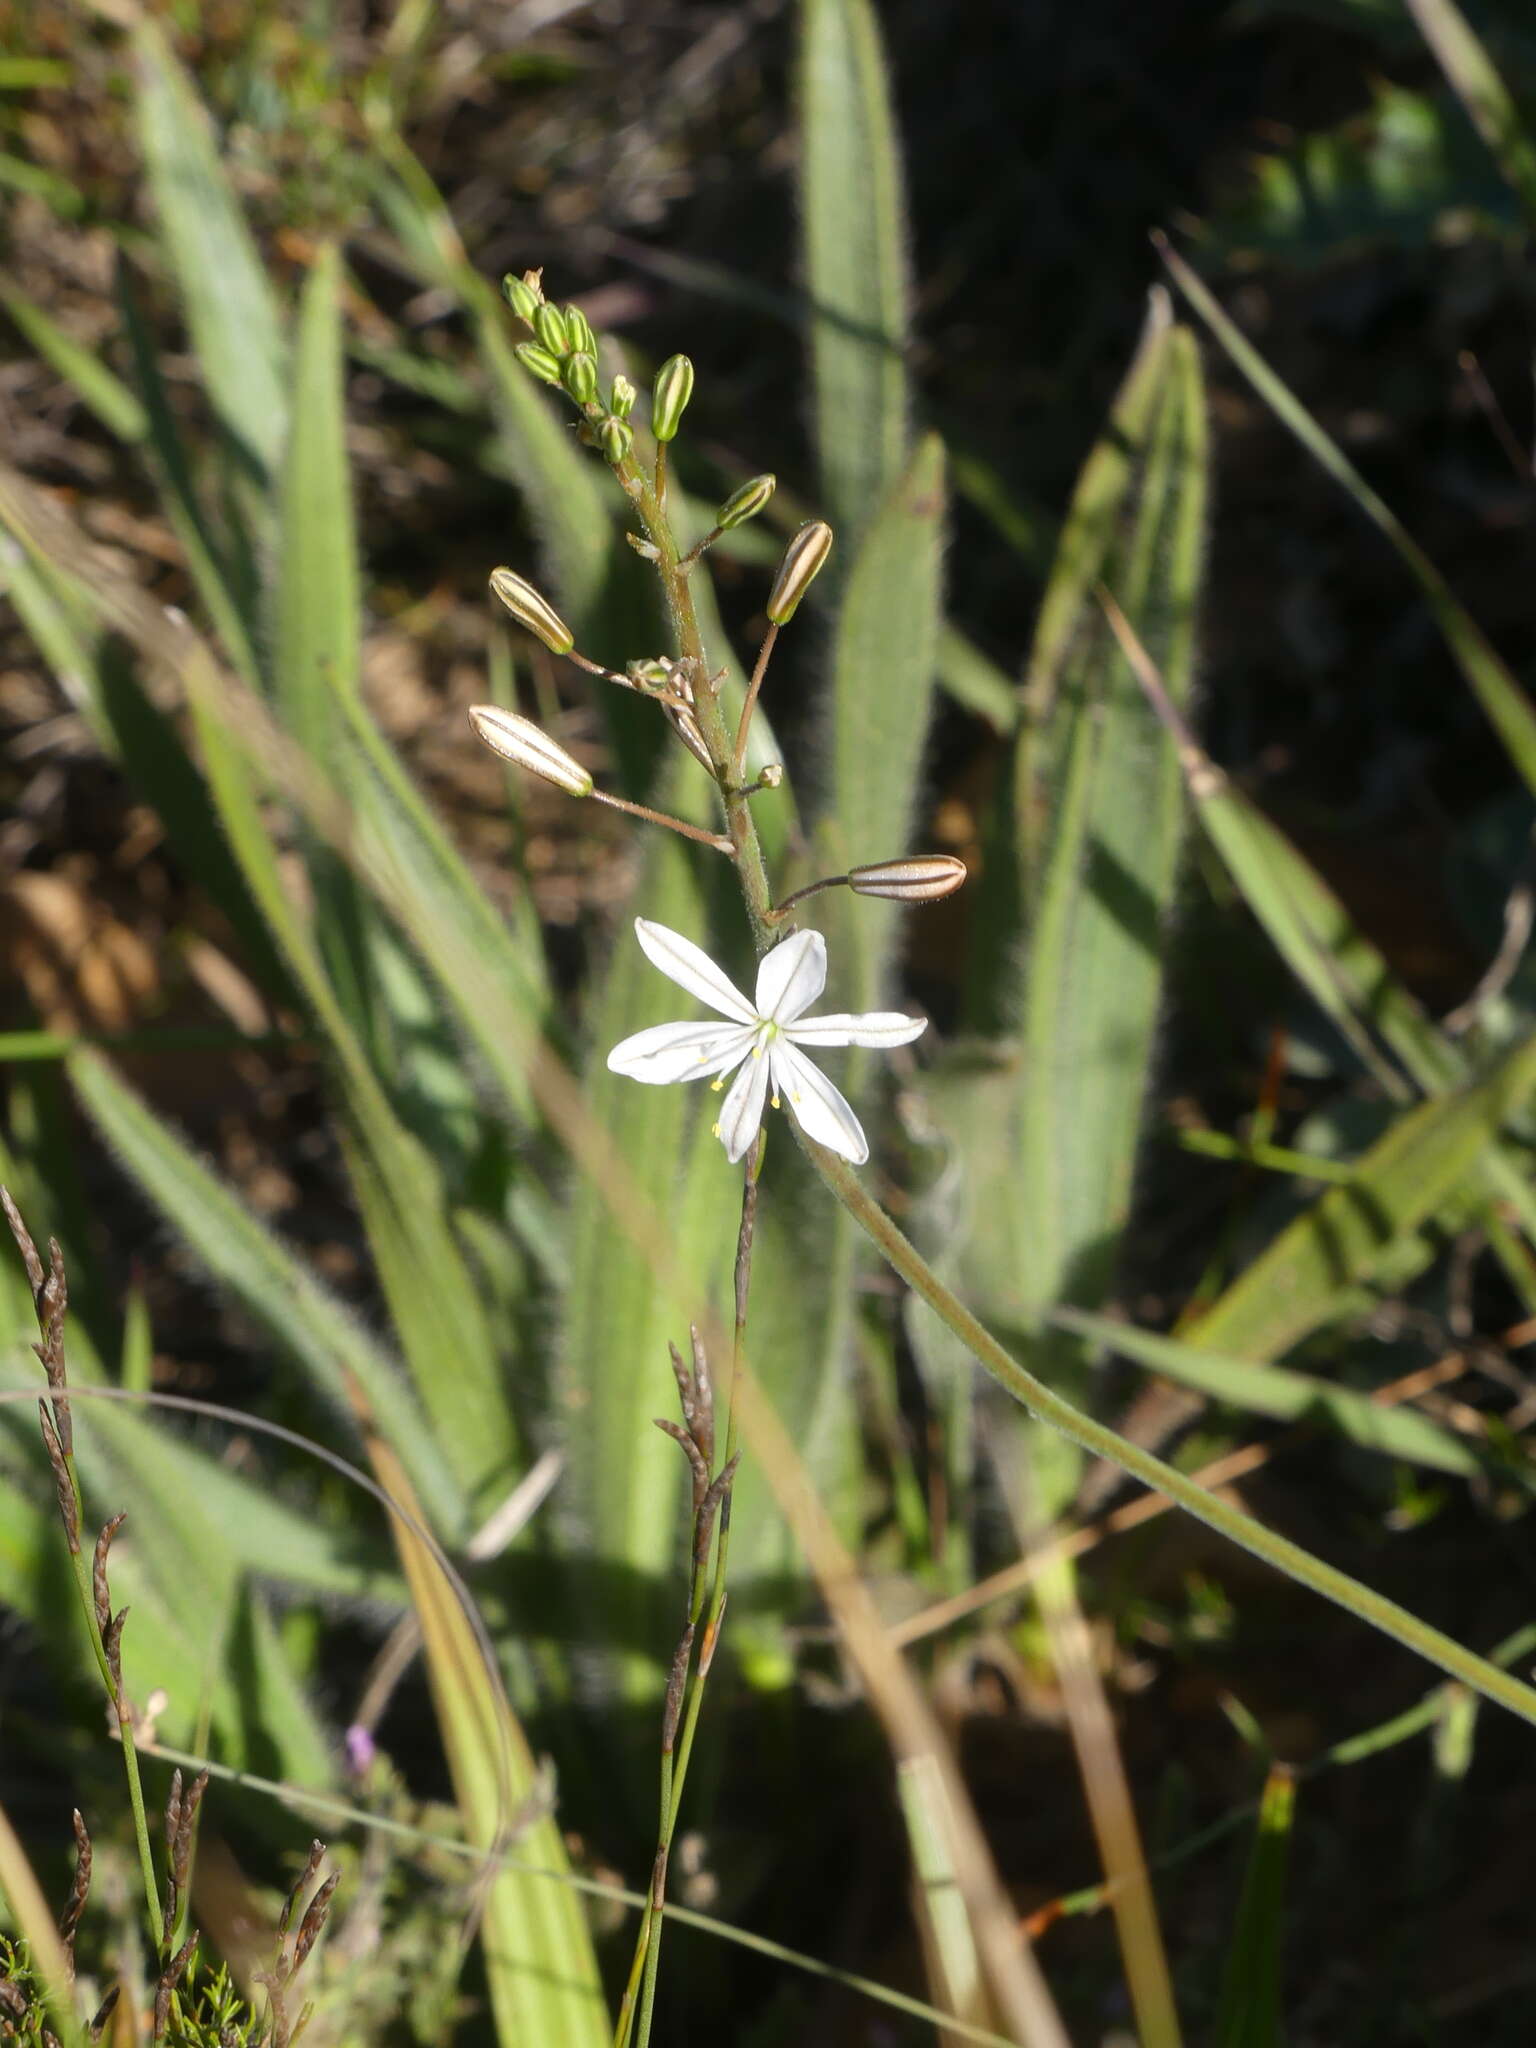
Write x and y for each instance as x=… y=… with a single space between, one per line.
x=763 y=1039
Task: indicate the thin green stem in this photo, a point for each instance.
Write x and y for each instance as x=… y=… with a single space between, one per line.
x=744 y=726
x=622 y=803
x=1287 y=1557
x=782 y=910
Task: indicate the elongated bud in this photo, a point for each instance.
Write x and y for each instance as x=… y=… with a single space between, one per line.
x=532 y=610
x=580 y=377
x=578 y=329
x=517 y=739
x=521 y=296
x=621 y=402
x=922 y=879
x=802 y=560
x=549 y=326
x=670 y=395
x=539 y=361
x=746 y=503
x=615 y=438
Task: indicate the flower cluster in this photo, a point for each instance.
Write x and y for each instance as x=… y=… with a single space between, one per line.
x=761 y=1041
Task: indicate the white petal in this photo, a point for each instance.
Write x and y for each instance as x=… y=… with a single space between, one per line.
x=818 y=1108
x=680 y=1052
x=741 y=1113
x=791 y=977
x=874 y=1027
x=691 y=968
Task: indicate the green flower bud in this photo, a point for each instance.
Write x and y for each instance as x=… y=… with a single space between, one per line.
x=922 y=879
x=579 y=331
x=670 y=395
x=549 y=326
x=538 y=361
x=802 y=559
x=746 y=503
x=771 y=776
x=615 y=439
x=654 y=673
x=532 y=610
x=521 y=296
x=621 y=403
x=579 y=376
x=518 y=739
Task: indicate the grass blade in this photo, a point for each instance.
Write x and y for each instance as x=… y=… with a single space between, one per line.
x=230 y=310
x=105 y=394
x=1095 y=967
x=885 y=658
x=855 y=260
x=539 y=1965
x=1508 y=708
x=561 y=485
x=1279 y=1392
x=1300 y=1280
x=337 y=1357
x=1491 y=110
x=1249 y=2014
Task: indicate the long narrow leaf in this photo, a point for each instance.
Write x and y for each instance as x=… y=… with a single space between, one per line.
x=1297 y=1283
x=338 y=1358
x=224 y=290
x=855 y=259
x=1508 y=708
x=1279 y=1392
x=1250 y=2012
x=1482 y=92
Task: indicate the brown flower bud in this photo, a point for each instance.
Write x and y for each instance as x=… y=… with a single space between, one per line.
x=924 y=878
x=798 y=570
x=532 y=610
x=518 y=739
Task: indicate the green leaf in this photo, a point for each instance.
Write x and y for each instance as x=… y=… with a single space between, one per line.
x=975 y=683
x=228 y=302
x=884 y=661
x=1298 y=1282
x=561 y=483
x=855 y=262
x=539 y=1965
x=303 y=1320
x=1093 y=980
x=1250 y=2011
x=1482 y=92
x=1279 y=1392
x=106 y=395
x=1508 y=708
